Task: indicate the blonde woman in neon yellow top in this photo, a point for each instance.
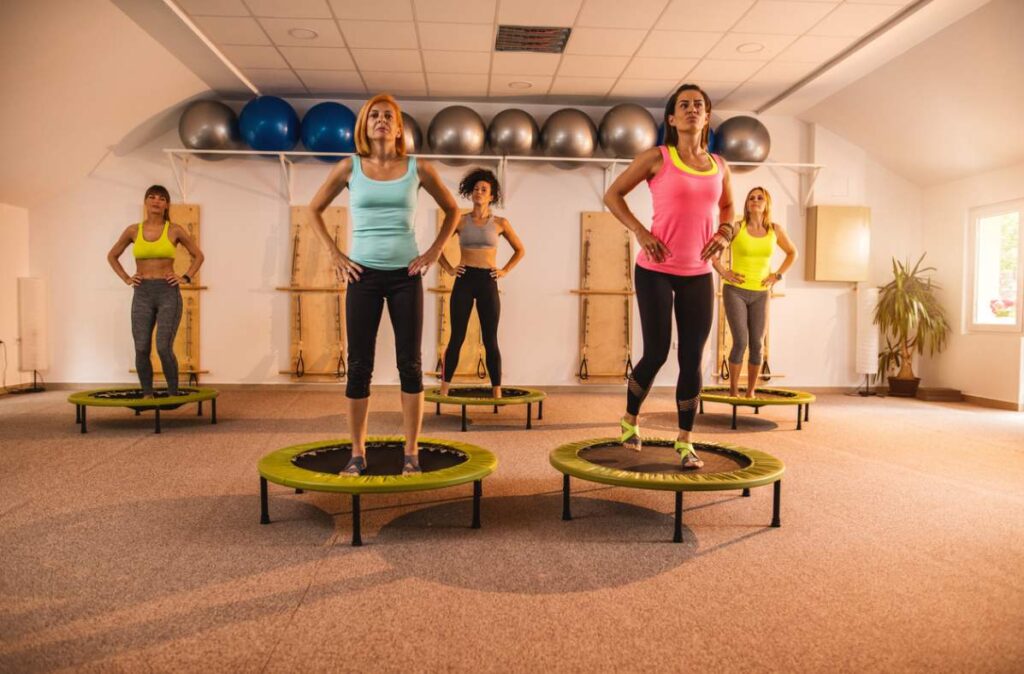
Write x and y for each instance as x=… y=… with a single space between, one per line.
x=746 y=285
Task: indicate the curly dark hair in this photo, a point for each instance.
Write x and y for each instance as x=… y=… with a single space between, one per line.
x=476 y=175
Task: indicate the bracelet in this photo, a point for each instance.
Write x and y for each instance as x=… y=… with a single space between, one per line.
x=187 y=278
x=725 y=231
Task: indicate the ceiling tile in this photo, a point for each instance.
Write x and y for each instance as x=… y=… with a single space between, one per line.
x=723 y=71
x=232 y=30
x=275 y=81
x=331 y=80
x=539 y=12
x=578 y=65
x=643 y=88
x=456 y=37
x=254 y=57
x=581 y=86
x=783 y=17
x=853 y=20
x=619 y=14
x=327 y=34
x=388 y=60
x=455 y=11
x=678 y=44
x=378 y=10
x=738 y=46
x=782 y=72
x=305 y=9
x=380 y=34
x=456 y=62
x=659 y=69
x=814 y=48
x=500 y=85
x=399 y=84
x=523 y=63
x=605 y=41
x=701 y=15
x=751 y=95
x=446 y=84
x=717 y=91
x=318 y=58
x=214 y=7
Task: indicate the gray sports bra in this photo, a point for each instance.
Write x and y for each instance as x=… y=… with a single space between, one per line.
x=474 y=236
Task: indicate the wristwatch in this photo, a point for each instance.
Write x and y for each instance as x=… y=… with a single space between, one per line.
x=188 y=279
x=778 y=276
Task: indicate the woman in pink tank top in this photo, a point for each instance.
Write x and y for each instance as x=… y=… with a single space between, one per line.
x=692 y=214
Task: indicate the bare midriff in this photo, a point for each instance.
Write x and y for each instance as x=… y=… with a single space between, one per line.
x=485 y=258
x=150 y=269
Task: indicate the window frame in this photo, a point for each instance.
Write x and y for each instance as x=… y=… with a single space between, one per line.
x=974 y=216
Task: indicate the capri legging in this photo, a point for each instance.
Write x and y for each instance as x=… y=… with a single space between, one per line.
x=364 y=304
x=156 y=303
x=746 y=311
x=475 y=284
x=657 y=295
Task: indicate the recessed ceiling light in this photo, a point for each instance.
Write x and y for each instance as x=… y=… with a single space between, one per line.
x=303 y=33
x=750 y=47
x=519 y=84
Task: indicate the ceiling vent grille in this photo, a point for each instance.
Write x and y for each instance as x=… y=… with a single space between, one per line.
x=535 y=39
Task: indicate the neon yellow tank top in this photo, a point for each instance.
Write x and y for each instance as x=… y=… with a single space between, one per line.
x=161 y=249
x=752 y=257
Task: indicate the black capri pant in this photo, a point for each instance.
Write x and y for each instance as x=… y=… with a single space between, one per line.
x=475 y=285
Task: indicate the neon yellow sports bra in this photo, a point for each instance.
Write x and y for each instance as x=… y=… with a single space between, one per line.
x=161 y=249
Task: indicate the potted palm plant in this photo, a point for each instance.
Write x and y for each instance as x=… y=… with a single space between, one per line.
x=911 y=319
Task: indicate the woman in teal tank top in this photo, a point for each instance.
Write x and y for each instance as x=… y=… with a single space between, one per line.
x=384 y=266
x=748 y=282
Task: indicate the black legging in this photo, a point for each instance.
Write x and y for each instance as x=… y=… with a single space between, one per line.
x=693 y=303
x=364 y=303
x=476 y=284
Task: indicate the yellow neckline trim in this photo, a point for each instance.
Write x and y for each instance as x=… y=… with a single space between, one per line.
x=677 y=160
x=163 y=234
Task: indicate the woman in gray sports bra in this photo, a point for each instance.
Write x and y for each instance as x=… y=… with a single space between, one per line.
x=477 y=274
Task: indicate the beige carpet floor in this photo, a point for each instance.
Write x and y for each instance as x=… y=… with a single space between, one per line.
x=901 y=546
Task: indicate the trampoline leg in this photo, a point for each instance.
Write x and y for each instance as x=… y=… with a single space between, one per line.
x=137 y=411
x=529 y=416
x=157 y=430
x=734 y=417
x=746 y=492
x=78 y=414
x=357 y=538
x=540 y=410
x=799 y=417
x=776 y=504
x=213 y=411
x=200 y=412
x=264 y=514
x=807 y=411
x=678 y=537
x=478 y=490
x=701 y=406
x=757 y=410
x=566 y=513
x=299 y=491
x=437 y=409
x=83 y=418
x=463 y=418
x=495 y=409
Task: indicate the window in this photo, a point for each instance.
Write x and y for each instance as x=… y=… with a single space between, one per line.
x=996 y=270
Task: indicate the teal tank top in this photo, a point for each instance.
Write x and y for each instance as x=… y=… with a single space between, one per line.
x=383 y=215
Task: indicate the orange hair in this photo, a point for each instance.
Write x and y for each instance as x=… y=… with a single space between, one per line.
x=363 y=139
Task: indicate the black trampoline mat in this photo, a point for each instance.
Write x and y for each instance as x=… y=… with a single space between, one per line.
x=662 y=458
x=485 y=392
x=382 y=458
x=136 y=393
x=759 y=395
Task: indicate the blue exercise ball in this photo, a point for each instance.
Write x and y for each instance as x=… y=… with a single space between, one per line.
x=329 y=127
x=269 y=123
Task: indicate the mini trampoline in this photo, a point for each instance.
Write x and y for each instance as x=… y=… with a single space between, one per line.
x=315 y=467
x=726 y=467
x=481 y=395
x=764 y=396
x=131 y=398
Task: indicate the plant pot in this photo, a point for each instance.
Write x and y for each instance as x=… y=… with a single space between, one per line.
x=904 y=388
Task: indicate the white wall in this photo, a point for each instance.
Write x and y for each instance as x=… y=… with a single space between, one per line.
x=13 y=263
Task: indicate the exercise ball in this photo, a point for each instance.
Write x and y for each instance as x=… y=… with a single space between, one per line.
x=329 y=127
x=568 y=133
x=627 y=130
x=269 y=123
x=209 y=125
x=742 y=138
x=411 y=134
x=513 y=131
x=457 y=130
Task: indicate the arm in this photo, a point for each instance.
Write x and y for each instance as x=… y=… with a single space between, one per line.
x=179 y=235
x=443 y=260
x=726 y=213
x=122 y=243
x=518 y=249
x=726 y=273
x=786 y=244
x=641 y=168
x=337 y=180
x=432 y=184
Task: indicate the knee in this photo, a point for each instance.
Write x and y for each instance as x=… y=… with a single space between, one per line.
x=359 y=374
x=410 y=374
x=755 y=357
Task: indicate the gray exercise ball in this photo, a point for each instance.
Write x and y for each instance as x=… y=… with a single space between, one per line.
x=513 y=131
x=742 y=138
x=627 y=130
x=412 y=134
x=457 y=130
x=568 y=133
x=209 y=125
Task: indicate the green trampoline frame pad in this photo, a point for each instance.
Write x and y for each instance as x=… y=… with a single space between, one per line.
x=88 y=398
x=532 y=396
x=710 y=394
x=763 y=469
x=277 y=467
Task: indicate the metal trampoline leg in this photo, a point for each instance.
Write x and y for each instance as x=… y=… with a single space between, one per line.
x=478 y=491
x=264 y=509
x=777 y=504
x=357 y=538
x=799 y=417
x=299 y=491
x=137 y=411
x=213 y=411
x=807 y=411
x=495 y=409
x=78 y=414
x=157 y=429
x=566 y=512
x=83 y=418
x=437 y=409
x=678 y=536
x=734 y=417
x=701 y=406
x=463 y=418
x=200 y=412
x=540 y=410
x=529 y=416
x=746 y=492
x=757 y=410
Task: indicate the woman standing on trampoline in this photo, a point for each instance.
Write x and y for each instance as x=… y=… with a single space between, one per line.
x=691 y=195
x=157 y=299
x=384 y=265
x=476 y=277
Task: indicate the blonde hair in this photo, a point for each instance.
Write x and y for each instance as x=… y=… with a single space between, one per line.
x=767 y=207
x=363 y=139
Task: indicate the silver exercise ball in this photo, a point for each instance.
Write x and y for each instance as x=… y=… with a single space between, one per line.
x=513 y=131
x=742 y=138
x=412 y=134
x=209 y=125
x=627 y=130
x=568 y=133
x=457 y=130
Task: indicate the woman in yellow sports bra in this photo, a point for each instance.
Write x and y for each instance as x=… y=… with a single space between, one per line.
x=747 y=283
x=157 y=299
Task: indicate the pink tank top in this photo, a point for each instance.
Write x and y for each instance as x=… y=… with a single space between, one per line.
x=685 y=214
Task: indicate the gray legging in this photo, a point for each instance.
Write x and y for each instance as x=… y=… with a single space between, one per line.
x=156 y=303
x=747 y=312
